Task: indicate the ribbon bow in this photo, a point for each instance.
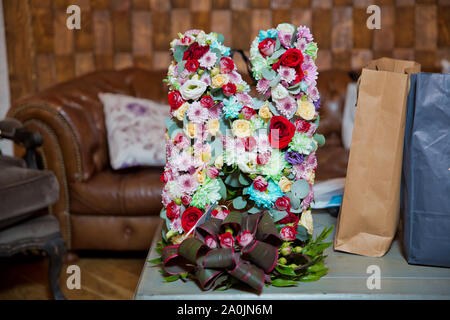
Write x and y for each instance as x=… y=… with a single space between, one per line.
x=251 y=264
x=271 y=33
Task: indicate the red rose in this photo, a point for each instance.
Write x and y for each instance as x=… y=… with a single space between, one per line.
x=283 y=204
x=292 y=58
x=226 y=65
x=260 y=184
x=281 y=132
x=248 y=112
x=262 y=158
x=173 y=210
x=195 y=52
x=249 y=143
x=302 y=125
x=186 y=200
x=226 y=240
x=229 y=89
x=190 y=218
x=175 y=99
x=244 y=238
x=207 y=101
x=288 y=233
x=191 y=65
x=290 y=218
x=186 y=40
x=267 y=47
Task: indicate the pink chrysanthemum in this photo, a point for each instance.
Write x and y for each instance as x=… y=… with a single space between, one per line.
x=208 y=60
x=263 y=86
x=310 y=73
x=182 y=161
x=304 y=32
x=313 y=93
x=187 y=183
x=215 y=111
x=287 y=106
x=235 y=77
x=197 y=113
x=206 y=78
x=287 y=74
x=244 y=99
x=301 y=44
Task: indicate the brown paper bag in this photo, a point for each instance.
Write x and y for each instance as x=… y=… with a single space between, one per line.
x=370 y=207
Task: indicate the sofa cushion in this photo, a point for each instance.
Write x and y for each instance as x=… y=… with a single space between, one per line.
x=135 y=130
x=36 y=228
x=130 y=192
x=23 y=191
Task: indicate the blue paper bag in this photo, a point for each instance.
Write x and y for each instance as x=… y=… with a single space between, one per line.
x=426 y=171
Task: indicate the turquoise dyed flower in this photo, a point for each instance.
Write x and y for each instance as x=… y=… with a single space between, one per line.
x=231 y=108
x=265 y=199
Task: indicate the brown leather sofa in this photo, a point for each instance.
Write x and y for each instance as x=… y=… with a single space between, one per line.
x=99 y=208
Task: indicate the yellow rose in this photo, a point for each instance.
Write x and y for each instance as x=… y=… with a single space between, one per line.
x=219 y=81
x=285 y=184
x=190 y=129
x=264 y=112
x=219 y=162
x=241 y=128
x=213 y=126
x=179 y=113
x=206 y=156
x=306 y=220
x=305 y=109
x=201 y=176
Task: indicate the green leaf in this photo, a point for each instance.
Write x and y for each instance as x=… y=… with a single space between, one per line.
x=277 y=54
x=155 y=261
x=244 y=180
x=269 y=74
x=179 y=52
x=286 y=270
x=300 y=188
x=254 y=210
x=223 y=189
x=283 y=283
x=239 y=203
x=310 y=277
x=278 y=215
x=275 y=80
x=233 y=180
x=320 y=139
x=302 y=233
x=173 y=278
x=217 y=94
x=277 y=44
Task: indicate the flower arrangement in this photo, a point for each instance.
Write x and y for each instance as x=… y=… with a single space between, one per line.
x=240 y=169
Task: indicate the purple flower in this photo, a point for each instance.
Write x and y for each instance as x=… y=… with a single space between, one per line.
x=293 y=157
x=303 y=32
x=317 y=104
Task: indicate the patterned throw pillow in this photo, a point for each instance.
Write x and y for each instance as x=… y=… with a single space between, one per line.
x=136 y=130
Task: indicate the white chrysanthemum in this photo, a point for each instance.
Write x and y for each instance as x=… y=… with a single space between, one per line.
x=287 y=74
x=173 y=189
x=208 y=60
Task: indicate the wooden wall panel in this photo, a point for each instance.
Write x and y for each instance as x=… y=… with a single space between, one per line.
x=116 y=34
